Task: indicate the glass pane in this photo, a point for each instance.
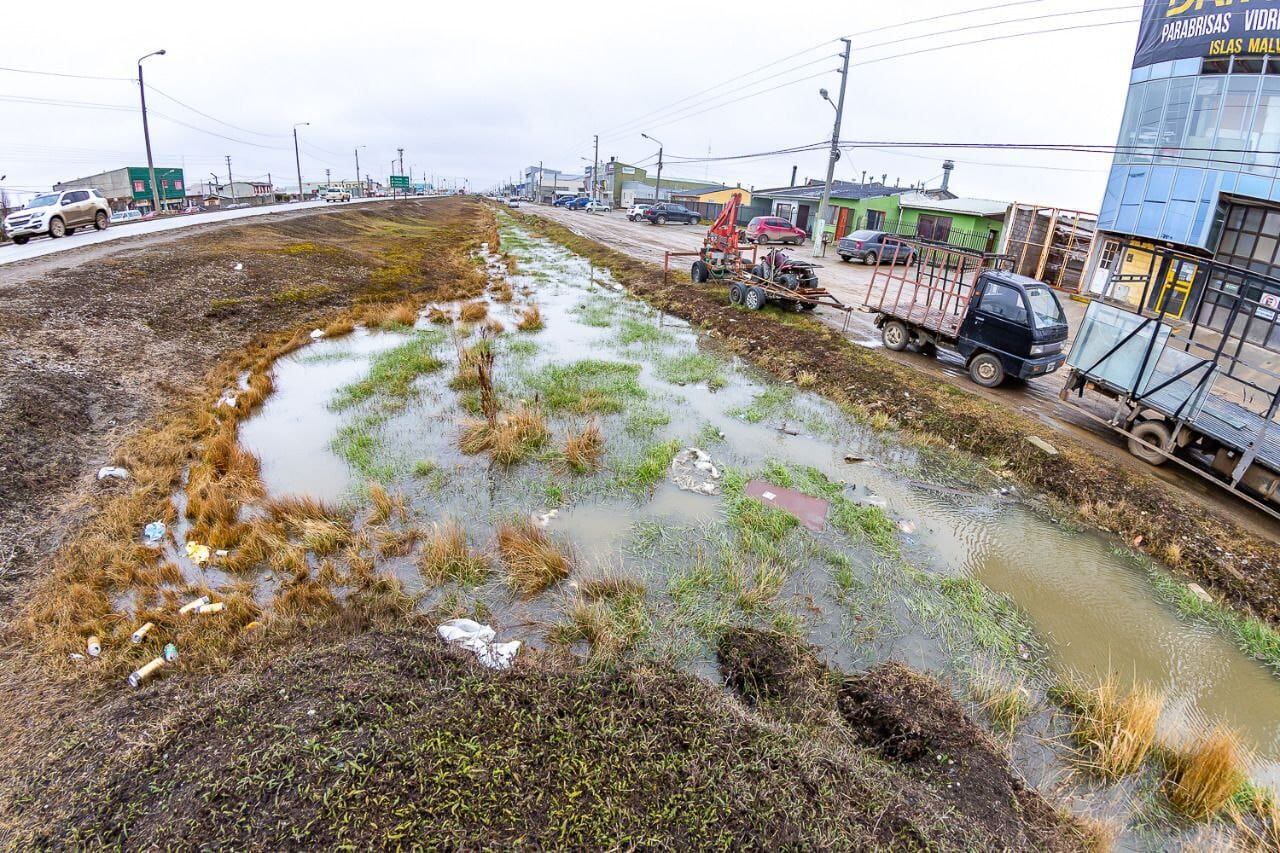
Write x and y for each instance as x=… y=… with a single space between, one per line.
x=1186 y=186
x=1160 y=186
x=1247 y=65
x=1128 y=218
x=1244 y=246
x=1134 y=185
x=1111 y=198
x=1146 y=134
x=1129 y=124
x=1174 y=123
x=1237 y=115
x=1265 y=251
x=1254 y=186
x=1204 y=118
x=1253 y=219
x=1149 y=219
x=1265 y=134
x=1177 y=221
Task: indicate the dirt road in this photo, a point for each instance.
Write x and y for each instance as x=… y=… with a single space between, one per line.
x=1037 y=398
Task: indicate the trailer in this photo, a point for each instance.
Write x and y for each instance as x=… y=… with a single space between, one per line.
x=1201 y=394
x=999 y=323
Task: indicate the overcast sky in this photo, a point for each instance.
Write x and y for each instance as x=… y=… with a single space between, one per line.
x=480 y=90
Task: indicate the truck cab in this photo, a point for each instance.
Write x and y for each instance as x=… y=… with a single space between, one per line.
x=1014 y=326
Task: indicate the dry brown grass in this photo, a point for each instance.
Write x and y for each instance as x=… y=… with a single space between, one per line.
x=439 y=316
x=474 y=312
x=1172 y=554
x=473 y=362
x=610 y=586
x=1006 y=702
x=1207 y=774
x=398 y=543
x=399 y=315
x=530 y=319
x=385 y=505
x=298 y=508
x=583 y=450
x=510 y=438
x=502 y=292
x=338 y=328
x=447 y=557
x=494 y=327
x=1115 y=728
x=534 y=561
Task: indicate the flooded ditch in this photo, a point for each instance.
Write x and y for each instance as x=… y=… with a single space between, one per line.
x=943 y=568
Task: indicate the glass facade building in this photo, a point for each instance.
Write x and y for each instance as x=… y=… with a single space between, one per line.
x=1198 y=135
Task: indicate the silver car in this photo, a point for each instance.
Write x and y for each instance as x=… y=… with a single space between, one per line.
x=58 y=214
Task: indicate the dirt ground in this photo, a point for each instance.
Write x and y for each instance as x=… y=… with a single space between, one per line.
x=1200 y=540
x=1037 y=398
x=364 y=732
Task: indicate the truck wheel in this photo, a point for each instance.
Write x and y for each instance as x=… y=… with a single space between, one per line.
x=100 y=221
x=1153 y=432
x=895 y=336
x=57 y=228
x=758 y=271
x=699 y=272
x=808 y=306
x=986 y=370
x=735 y=294
x=755 y=298
x=661 y=220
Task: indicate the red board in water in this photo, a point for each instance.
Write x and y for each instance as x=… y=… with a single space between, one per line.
x=812 y=512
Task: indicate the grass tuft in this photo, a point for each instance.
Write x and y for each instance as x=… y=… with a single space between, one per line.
x=1115 y=728
x=530 y=319
x=534 y=561
x=474 y=312
x=447 y=557
x=588 y=387
x=1207 y=774
x=582 y=450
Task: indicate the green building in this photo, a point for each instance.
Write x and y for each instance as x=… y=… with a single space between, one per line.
x=622 y=184
x=129 y=187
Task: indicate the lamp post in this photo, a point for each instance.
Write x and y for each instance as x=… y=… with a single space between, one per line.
x=657 y=190
x=146 y=133
x=297 y=158
x=820 y=230
x=359 y=188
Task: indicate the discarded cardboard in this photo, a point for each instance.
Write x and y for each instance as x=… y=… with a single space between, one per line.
x=693 y=471
x=112 y=471
x=1200 y=593
x=1042 y=445
x=810 y=511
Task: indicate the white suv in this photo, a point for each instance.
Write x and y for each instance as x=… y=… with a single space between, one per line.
x=636 y=212
x=58 y=214
x=335 y=194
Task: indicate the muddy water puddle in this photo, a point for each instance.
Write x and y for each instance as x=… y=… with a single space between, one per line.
x=1091 y=607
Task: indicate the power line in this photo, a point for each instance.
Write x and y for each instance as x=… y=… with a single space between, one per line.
x=995 y=38
x=61 y=74
x=1125 y=7
x=212 y=118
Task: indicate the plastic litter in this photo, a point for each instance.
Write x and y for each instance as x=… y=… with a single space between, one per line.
x=693 y=471
x=93 y=646
x=154 y=531
x=197 y=553
x=545 y=519
x=479 y=638
x=317 y=334
x=75 y=656
x=113 y=472
x=907 y=527
x=238 y=267
x=853 y=458
x=141 y=633
x=206 y=609
x=228 y=399
x=170 y=653
x=1042 y=445
x=192 y=605
x=808 y=510
x=141 y=674
x=875 y=500
x=221 y=552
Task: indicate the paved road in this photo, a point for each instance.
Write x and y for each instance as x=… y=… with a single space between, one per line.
x=41 y=246
x=1037 y=398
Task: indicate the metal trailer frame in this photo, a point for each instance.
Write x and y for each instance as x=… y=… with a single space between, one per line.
x=1249 y=437
x=936 y=296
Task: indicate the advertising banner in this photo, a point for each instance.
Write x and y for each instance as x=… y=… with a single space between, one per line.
x=1180 y=29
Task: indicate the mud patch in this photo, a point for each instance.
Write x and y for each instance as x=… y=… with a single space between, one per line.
x=768 y=667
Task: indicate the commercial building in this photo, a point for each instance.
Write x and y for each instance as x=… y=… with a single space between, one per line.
x=1195 y=171
x=129 y=187
x=622 y=184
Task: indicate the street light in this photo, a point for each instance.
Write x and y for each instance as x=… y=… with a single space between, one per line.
x=827 y=97
x=146 y=132
x=657 y=190
x=297 y=158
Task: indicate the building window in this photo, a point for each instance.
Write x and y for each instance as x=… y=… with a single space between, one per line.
x=937 y=228
x=139 y=186
x=875 y=220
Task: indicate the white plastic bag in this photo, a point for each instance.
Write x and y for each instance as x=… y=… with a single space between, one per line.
x=479 y=639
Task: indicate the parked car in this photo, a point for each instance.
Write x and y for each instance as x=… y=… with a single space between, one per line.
x=513 y=202
x=636 y=211
x=869 y=246
x=579 y=203
x=563 y=200
x=594 y=206
x=773 y=229
x=126 y=216
x=661 y=214
x=58 y=214
x=335 y=194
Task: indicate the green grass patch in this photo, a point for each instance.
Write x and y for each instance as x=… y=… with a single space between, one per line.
x=392 y=373
x=990 y=621
x=633 y=331
x=587 y=387
x=691 y=369
x=768 y=403
x=648 y=469
x=301 y=294
x=360 y=444
x=597 y=312
x=643 y=420
x=759 y=529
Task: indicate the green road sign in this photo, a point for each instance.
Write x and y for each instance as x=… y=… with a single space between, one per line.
x=400 y=182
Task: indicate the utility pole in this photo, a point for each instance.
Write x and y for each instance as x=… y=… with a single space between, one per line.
x=595 y=170
x=359 y=190
x=297 y=158
x=539 y=196
x=824 y=208
x=326 y=177
x=657 y=190
x=235 y=197
x=400 y=153
x=146 y=135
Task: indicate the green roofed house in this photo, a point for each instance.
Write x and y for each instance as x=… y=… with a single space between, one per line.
x=129 y=187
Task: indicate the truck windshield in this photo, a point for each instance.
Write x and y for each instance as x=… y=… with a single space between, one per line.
x=1045 y=308
x=43 y=201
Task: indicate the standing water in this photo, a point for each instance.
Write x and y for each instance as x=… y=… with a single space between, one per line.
x=1091 y=604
